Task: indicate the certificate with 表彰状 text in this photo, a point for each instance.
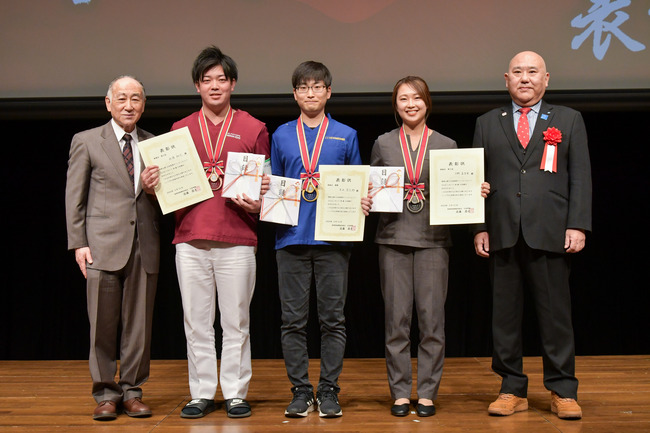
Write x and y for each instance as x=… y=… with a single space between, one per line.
x=455 y=177
x=243 y=175
x=387 y=189
x=338 y=208
x=182 y=179
x=281 y=203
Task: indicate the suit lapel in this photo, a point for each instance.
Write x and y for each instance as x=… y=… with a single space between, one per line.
x=112 y=149
x=543 y=120
x=508 y=125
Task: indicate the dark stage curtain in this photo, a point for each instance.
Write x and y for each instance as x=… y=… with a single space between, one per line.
x=43 y=312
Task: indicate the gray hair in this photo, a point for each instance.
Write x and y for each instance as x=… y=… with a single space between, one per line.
x=109 y=93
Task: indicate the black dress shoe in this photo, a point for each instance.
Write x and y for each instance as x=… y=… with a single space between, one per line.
x=400 y=409
x=423 y=410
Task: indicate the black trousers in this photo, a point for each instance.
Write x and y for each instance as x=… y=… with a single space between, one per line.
x=547 y=276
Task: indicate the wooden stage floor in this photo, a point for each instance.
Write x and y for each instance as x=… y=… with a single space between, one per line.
x=54 y=396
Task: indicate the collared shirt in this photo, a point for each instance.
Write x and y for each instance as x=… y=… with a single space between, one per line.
x=119 y=134
x=532 y=116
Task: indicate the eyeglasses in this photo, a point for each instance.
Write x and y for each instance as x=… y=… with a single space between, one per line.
x=316 y=88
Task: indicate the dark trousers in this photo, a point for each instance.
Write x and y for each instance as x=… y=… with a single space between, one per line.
x=414 y=276
x=121 y=299
x=329 y=267
x=547 y=276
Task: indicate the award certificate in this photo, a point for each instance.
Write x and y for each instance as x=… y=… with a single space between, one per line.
x=281 y=203
x=455 y=186
x=387 y=191
x=243 y=175
x=182 y=178
x=338 y=209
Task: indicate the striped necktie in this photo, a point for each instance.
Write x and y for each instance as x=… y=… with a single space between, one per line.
x=127 y=152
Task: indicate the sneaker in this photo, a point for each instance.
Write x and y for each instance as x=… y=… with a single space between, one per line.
x=302 y=403
x=198 y=408
x=507 y=404
x=237 y=408
x=328 y=403
x=565 y=408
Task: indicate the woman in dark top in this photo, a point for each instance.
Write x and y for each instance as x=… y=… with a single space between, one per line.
x=413 y=255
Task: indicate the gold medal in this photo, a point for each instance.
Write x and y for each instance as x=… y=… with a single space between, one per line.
x=215 y=182
x=310 y=177
x=214 y=167
x=415 y=205
x=414 y=189
x=311 y=193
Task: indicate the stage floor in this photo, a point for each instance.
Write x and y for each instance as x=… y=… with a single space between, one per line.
x=54 y=396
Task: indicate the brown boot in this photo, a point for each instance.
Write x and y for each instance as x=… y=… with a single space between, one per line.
x=565 y=408
x=507 y=404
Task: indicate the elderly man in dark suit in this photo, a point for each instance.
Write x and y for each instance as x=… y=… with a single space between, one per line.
x=539 y=207
x=112 y=228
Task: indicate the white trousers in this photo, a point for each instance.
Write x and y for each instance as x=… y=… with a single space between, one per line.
x=209 y=271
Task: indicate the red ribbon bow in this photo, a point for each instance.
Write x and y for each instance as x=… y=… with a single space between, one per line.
x=411 y=189
x=308 y=178
x=209 y=166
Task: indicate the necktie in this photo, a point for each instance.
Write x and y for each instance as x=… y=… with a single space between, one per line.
x=523 y=130
x=128 y=155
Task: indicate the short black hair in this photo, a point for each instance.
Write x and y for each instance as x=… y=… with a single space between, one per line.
x=208 y=59
x=311 y=70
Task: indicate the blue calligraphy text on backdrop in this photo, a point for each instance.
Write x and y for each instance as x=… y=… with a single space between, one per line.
x=596 y=24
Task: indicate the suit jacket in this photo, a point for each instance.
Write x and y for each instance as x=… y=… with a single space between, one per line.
x=523 y=196
x=102 y=210
x=407 y=228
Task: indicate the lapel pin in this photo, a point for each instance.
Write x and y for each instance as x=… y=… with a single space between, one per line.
x=544 y=116
x=504 y=114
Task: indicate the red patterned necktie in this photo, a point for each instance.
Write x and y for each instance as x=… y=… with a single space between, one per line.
x=128 y=155
x=523 y=130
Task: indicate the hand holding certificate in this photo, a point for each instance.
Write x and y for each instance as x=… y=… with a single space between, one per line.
x=338 y=209
x=455 y=178
x=281 y=204
x=182 y=178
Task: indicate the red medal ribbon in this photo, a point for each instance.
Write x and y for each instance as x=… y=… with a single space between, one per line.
x=310 y=177
x=417 y=189
x=215 y=165
x=414 y=187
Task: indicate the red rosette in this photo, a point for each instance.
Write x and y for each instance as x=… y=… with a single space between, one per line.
x=552 y=136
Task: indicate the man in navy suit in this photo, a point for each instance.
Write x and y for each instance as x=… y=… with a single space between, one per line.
x=537 y=213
